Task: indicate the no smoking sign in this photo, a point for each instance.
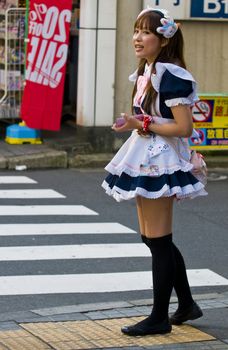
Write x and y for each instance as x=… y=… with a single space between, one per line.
x=202 y=111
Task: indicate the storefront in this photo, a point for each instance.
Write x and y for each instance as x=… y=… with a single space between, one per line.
x=70 y=91
x=90 y=75
x=101 y=58
x=12 y=59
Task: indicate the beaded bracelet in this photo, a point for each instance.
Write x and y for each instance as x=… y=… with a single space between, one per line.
x=147 y=120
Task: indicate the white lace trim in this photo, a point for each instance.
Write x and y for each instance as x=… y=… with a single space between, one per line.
x=134 y=173
x=181 y=101
x=189 y=191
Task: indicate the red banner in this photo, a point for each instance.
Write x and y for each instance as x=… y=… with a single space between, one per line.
x=48 y=34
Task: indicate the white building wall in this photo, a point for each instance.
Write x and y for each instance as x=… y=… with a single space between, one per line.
x=96 y=72
x=126 y=62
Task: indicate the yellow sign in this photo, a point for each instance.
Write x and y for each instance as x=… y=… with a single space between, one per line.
x=220 y=116
x=210 y=118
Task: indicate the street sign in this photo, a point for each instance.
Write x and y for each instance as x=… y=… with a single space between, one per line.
x=209 y=8
x=210 y=117
x=202 y=111
x=192 y=9
x=176 y=8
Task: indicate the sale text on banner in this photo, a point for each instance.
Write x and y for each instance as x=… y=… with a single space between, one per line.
x=210 y=116
x=47 y=49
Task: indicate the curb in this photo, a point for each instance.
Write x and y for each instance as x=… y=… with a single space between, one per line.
x=49 y=159
x=96 y=160
x=110 y=309
x=216 y=161
x=3 y=163
x=43 y=160
x=52 y=158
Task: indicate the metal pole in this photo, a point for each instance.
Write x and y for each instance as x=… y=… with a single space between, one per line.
x=26 y=31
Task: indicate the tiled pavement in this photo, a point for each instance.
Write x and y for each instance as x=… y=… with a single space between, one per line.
x=97 y=326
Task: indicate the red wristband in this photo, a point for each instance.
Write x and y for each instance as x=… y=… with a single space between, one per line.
x=147 y=120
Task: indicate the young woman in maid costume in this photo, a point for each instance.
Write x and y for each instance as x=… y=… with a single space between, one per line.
x=154 y=165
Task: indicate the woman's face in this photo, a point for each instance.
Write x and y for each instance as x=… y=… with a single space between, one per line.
x=147 y=45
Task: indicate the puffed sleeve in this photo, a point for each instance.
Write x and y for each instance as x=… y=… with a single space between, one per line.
x=175 y=85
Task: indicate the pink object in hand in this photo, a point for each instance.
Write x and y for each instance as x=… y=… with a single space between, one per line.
x=121 y=121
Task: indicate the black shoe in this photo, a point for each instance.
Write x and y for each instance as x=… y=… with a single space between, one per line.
x=144 y=328
x=191 y=313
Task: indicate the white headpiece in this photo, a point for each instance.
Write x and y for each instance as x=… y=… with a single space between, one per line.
x=168 y=28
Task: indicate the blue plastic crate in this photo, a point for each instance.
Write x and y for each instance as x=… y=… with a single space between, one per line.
x=20 y=133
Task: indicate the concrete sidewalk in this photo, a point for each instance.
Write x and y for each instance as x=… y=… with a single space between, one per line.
x=97 y=326
x=58 y=150
x=65 y=149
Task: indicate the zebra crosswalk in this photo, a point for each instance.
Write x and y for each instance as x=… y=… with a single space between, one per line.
x=36 y=193
x=16 y=180
x=102 y=282
x=84 y=251
x=96 y=282
x=15 y=210
x=83 y=228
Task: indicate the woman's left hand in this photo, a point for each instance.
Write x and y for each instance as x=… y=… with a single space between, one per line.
x=130 y=124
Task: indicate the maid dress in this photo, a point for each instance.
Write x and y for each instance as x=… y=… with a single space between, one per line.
x=156 y=166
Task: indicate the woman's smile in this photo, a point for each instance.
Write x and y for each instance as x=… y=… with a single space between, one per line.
x=146 y=44
x=139 y=48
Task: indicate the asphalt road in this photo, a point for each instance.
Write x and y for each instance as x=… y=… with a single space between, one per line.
x=200 y=230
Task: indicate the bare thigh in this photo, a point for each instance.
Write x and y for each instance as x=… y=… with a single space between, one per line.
x=140 y=215
x=157 y=216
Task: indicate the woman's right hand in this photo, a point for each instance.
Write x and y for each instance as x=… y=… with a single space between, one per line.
x=130 y=123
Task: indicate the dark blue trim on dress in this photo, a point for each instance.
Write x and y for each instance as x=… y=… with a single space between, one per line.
x=172 y=87
x=149 y=183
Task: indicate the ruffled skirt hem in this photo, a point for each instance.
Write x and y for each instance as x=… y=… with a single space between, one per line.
x=118 y=170
x=181 y=185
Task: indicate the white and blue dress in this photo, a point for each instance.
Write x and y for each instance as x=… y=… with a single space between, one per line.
x=156 y=166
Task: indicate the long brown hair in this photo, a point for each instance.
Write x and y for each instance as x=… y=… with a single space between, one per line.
x=172 y=52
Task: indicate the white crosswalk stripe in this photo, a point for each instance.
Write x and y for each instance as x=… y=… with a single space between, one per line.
x=16 y=180
x=64 y=229
x=38 y=193
x=36 y=284
x=96 y=283
x=14 y=210
x=84 y=251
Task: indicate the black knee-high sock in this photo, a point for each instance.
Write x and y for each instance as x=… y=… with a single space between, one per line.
x=181 y=284
x=163 y=270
